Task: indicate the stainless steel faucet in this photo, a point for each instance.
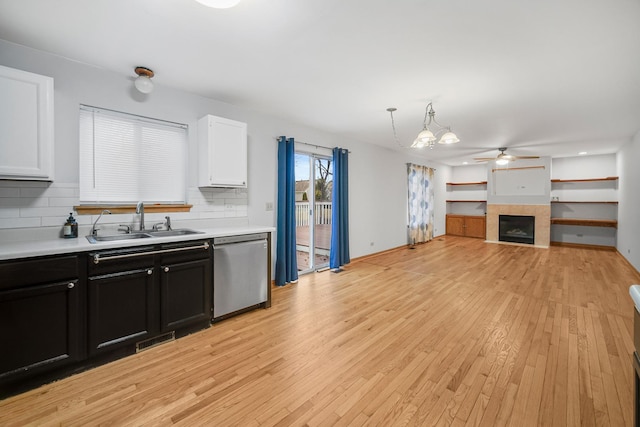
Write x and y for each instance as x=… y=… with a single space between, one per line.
x=140 y=210
x=94 y=230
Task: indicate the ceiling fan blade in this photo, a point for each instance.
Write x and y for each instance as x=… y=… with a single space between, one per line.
x=526 y=157
x=483 y=159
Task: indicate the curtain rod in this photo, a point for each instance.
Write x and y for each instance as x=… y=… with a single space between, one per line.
x=409 y=163
x=313 y=145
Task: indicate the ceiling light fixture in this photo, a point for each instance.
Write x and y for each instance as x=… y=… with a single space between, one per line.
x=219 y=4
x=431 y=130
x=143 y=83
x=503 y=158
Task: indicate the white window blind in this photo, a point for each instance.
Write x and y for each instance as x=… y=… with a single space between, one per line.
x=126 y=158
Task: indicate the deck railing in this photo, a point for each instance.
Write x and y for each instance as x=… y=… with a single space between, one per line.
x=321 y=210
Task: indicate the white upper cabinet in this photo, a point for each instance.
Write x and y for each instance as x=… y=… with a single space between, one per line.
x=222 y=152
x=26 y=125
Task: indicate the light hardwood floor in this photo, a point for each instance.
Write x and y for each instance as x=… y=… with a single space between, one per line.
x=456 y=332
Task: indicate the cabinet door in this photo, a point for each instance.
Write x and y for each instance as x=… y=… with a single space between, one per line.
x=475 y=227
x=26 y=125
x=185 y=294
x=40 y=328
x=122 y=309
x=455 y=225
x=223 y=152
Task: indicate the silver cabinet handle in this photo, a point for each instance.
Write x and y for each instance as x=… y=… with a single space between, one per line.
x=97 y=257
x=166 y=269
x=71 y=285
x=149 y=272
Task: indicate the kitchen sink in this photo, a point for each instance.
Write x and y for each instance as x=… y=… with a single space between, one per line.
x=115 y=237
x=142 y=235
x=176 y=232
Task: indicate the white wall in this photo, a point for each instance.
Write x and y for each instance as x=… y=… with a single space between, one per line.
x=377 y=179
x=628 y=159
x=584 y=167
x=469 y=173
x=522 y=183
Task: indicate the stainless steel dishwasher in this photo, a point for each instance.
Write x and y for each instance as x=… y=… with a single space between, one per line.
x=239 y=272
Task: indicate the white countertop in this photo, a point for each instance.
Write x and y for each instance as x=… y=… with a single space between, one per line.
x=27 y=249
x=634 y=291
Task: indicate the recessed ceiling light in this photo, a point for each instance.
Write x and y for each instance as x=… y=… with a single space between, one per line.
x=582 y=153
x=219 y=4
x=465 y=163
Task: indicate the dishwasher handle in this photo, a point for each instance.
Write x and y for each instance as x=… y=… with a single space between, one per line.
x=241 y=238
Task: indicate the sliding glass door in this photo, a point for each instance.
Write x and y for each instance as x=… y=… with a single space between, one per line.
x=314 y=184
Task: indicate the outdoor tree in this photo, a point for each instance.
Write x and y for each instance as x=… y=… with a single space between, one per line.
x=323 y=189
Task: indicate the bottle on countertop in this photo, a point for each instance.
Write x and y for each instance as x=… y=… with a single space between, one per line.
x=70 y=229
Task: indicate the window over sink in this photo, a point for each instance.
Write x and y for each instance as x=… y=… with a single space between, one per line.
x=125 y=158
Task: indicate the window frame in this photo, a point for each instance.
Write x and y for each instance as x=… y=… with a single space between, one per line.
x=110 y=183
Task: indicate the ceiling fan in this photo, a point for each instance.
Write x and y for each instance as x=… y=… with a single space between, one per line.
x=503 y=158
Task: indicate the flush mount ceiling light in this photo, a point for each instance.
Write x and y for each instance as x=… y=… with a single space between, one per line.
x=219 y=4
x=143 y=83
x=431 y=130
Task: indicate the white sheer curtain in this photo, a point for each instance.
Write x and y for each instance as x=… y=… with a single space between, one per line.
x=420 y=198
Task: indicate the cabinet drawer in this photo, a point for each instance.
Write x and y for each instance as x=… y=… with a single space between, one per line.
x=118 y=260
x=15 y=274
x=183 y=253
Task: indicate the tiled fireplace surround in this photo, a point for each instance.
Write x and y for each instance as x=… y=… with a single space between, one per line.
x=542 y=214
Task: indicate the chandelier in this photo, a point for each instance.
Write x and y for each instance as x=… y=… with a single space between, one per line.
x=431 y=130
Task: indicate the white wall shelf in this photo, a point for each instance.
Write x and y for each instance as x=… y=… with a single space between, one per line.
x=609 y=178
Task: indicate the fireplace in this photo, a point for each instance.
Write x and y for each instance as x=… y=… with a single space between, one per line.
x=517 y=229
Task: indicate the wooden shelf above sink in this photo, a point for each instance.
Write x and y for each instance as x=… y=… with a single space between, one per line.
x=122 y=209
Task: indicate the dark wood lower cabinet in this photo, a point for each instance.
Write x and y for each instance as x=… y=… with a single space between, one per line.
x=138 y=294
x=59 y=315
x=41 y=317
x=40 y=327
x=185 y=292
x=122 y=309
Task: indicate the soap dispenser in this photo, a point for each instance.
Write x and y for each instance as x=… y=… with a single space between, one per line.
x=70 y=229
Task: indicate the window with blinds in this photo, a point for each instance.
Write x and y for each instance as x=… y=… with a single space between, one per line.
x=126 y=158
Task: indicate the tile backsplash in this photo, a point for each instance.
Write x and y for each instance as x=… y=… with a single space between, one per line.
x=32 y=204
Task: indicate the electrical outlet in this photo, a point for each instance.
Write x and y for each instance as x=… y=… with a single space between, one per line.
x=269 y=206
x=371 y=244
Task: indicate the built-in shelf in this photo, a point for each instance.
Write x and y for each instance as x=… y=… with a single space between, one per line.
x=586 y=222
x=577 y=201
x=584 y=246
x=467 y=198
x=122 y=209
x=467 y=183
x=609 y=178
